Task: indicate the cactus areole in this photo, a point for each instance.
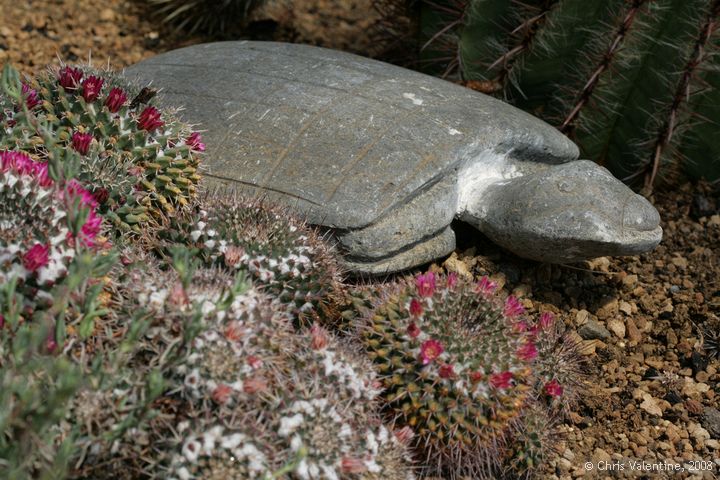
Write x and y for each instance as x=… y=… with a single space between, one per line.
x=387 y=157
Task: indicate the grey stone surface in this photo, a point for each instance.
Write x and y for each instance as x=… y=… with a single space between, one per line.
x=593 y=330
x=710 y=421
x=387 y=156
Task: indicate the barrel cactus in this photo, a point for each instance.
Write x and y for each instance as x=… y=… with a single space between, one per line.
x=319 y=421
x=456 y=366
x=291 y=260
x=141 y=162
x=635 y=83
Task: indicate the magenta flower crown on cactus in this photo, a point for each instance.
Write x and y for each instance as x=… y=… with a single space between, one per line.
x=40 y=219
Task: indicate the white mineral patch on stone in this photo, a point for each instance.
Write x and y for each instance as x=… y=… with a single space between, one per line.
x=452 y=131
x=479 y=172
x=411 y=96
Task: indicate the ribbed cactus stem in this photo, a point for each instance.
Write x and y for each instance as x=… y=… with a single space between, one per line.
x=700 y=52
x=605 y=63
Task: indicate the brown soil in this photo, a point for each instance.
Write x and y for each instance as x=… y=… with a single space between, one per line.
x=654 y=388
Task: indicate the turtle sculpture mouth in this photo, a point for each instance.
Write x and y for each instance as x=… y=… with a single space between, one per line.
x=641 y=224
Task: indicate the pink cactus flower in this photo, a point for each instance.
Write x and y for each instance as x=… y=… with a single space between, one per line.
x=81 y=142
x=425 y=284
x=92 y=87
x=50 y=343
x=319 y=337
x=513 y=308
x=416 y=308
x=430 y=350
x=404 y=435
x=221 y=394
x=501 y=380
x=476 y=376
x=69 y=78
x=547 y=319
x=234 y=332
x=520 y=327
x=37 y=257
x=101 y=195
x=149 y=119
x=352 y=465
x=254 y=362
x=527 y=352
x=115 y=99
x=91 y=229
x=74 y=189
x=255 y=385
x=447 y=371
x=21 y=163
x=31 y=97
x=452 y=279
x=194 y=141
x=553 y=388
x=413 y=330
x=485 y=287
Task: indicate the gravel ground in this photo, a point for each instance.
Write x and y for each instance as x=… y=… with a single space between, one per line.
x=644 y=321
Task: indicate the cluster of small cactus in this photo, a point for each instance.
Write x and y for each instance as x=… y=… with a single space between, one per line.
x=634 y=83
x=275 y=247
x=460 y=368
x=205 y=16
x=141 y=162
x=209 y=351
x=43 y=223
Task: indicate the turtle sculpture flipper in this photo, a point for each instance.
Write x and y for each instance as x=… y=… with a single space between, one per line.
x=387 y=157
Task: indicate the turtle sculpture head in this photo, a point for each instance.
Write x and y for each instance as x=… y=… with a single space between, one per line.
x=386 y=158
x=563 y=213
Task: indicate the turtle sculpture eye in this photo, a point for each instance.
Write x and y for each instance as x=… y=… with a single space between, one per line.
x=565 y=186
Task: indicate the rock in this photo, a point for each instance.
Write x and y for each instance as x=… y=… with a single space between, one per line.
x=626 y=308
x=593 y=330
x=617 y=326
x=650 y=405
x=107 y=15
x=601 y=456
x=454 y=264
x=710 y=420
x=387 y=157
x=581 y=317
x=608 y=308
x=633 y=332
x=698 y=433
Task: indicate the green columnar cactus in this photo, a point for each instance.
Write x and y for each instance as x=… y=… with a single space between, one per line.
x=456 y=367
x=207 y=16
x=141 y=162
x=634 y=83
x=278 y=250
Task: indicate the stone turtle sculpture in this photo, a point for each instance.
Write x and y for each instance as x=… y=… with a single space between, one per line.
x=387 y=157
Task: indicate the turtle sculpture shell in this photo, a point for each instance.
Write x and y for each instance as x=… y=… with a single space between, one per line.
x=384 y=156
